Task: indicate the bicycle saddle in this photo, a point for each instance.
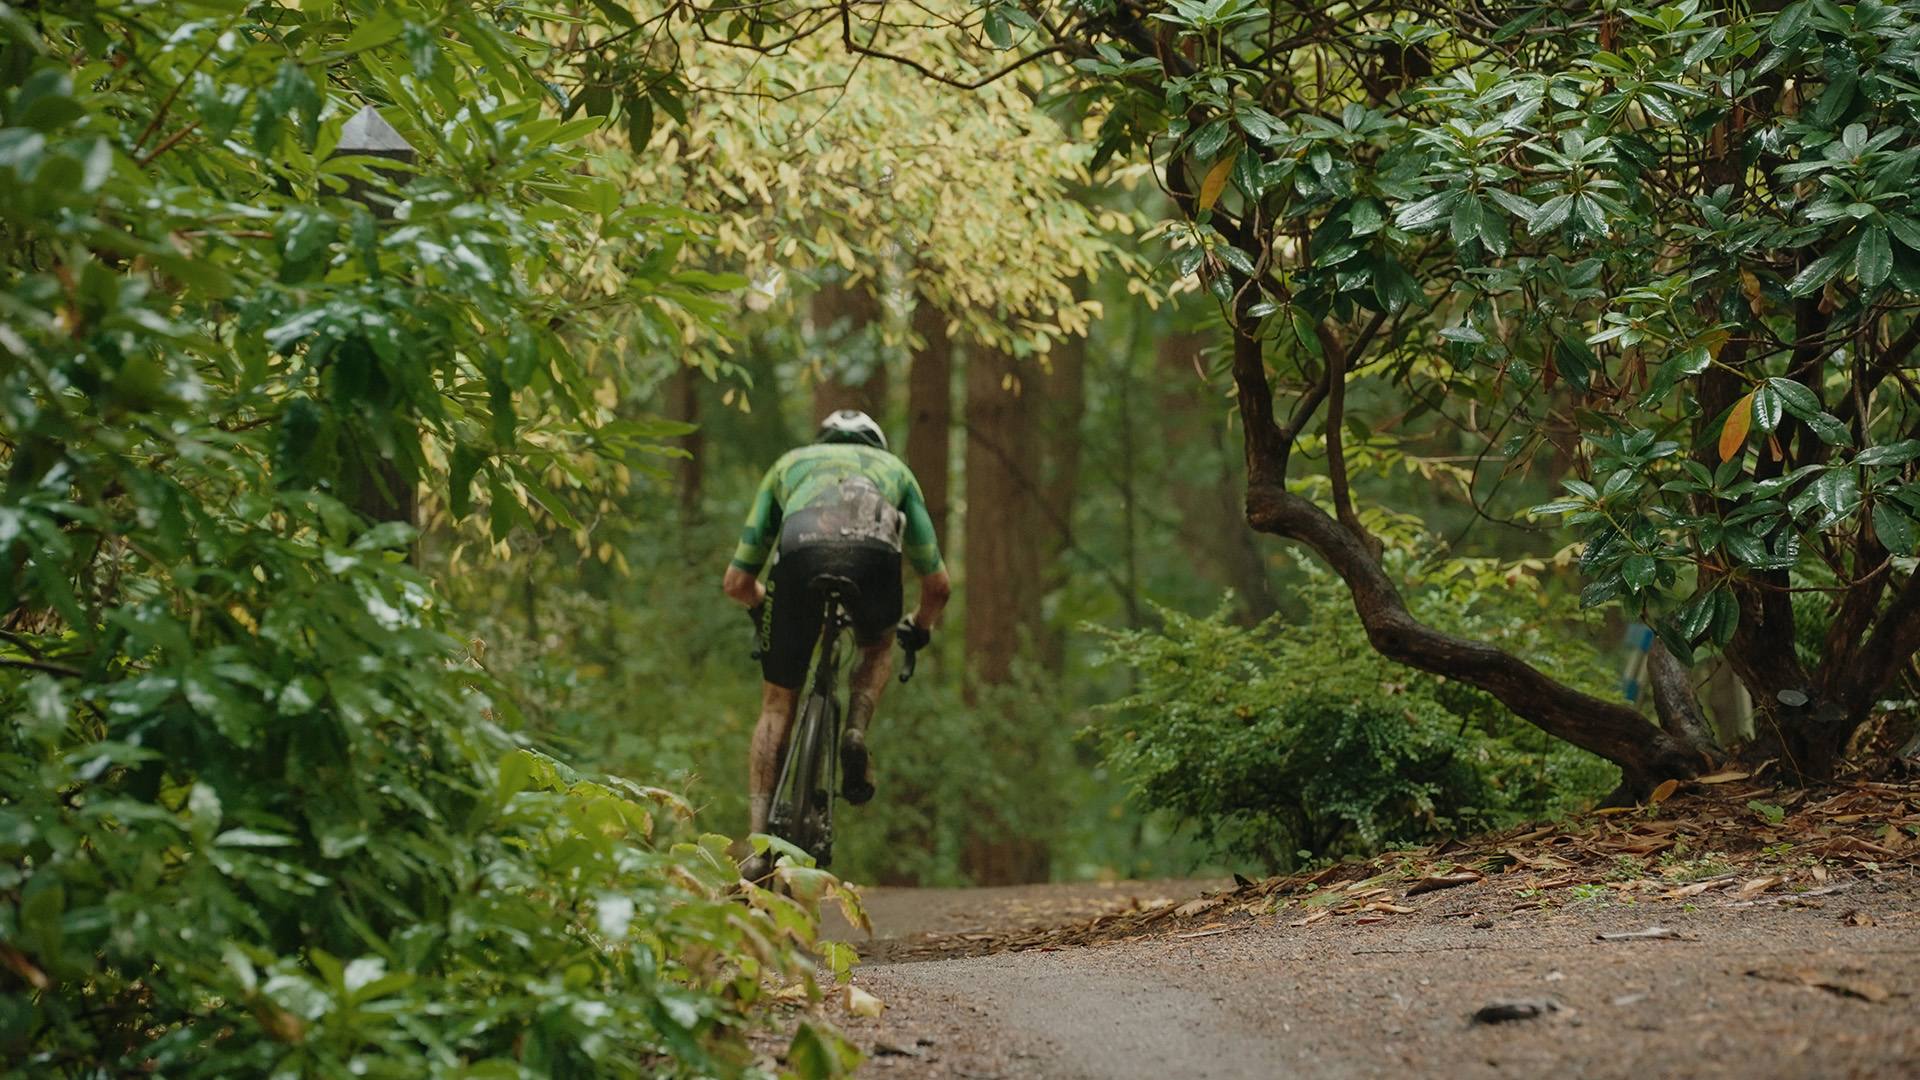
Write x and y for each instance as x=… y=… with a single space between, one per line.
x=835 y=585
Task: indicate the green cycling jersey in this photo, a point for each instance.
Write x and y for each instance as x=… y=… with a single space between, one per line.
x=813 y=475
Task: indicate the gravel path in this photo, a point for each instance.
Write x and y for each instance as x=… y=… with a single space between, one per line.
x=1758 y=993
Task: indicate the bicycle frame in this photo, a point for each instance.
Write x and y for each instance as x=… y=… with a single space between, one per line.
x=802 y=811
x=809 y=777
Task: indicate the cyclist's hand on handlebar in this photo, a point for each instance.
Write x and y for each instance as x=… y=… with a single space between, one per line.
x=912 y=636
x=758 y=614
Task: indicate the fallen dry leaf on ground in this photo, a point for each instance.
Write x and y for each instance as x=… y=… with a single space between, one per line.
x=1434 y=882
x=1651 y=933
x=1638 y=852
x=1834 y=983
x=860 y=1003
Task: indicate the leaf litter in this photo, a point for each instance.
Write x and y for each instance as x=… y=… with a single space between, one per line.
x=1731 y=833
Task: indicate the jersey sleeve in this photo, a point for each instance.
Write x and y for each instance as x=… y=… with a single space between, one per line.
x=762 y=528
x=920 y=545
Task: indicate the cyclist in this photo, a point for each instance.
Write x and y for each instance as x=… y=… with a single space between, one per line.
x=846 y=507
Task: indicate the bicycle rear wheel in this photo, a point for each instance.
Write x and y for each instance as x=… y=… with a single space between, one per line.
x=803 y=812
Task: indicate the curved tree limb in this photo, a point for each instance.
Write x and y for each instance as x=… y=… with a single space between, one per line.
x=1610 y=729
x=1646 y=755
x=1674 y=701
x=1336 y=357
x=1268 y=447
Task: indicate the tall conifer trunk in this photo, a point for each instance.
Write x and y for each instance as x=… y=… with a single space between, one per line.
x=841 y=315
x=1003 y=545
x=1062 y=405
x=683 y=404
x=1003 y=557
x=930 y=412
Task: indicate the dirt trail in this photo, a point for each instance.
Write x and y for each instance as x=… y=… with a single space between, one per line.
x=905 y=919
x=1769 y=992
x=1790 y=951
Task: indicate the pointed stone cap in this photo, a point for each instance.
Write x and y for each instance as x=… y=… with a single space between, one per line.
x=368 y=133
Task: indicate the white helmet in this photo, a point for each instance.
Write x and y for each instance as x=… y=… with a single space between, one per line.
x=852 y=425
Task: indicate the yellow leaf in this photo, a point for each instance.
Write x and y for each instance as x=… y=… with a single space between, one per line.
x=861 y=1003
x=1216 y=181
x=1750 y=285
x=1664 y=791
x=1733 y=437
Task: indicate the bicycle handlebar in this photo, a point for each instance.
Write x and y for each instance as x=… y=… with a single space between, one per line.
x=760 y=644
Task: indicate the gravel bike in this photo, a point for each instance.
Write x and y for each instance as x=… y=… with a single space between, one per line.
x=802 y=810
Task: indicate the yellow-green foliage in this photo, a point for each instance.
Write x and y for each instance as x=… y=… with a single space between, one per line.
x=809 y=157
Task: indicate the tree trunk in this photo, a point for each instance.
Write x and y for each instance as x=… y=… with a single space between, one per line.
x=1063 y=405
x=1002 y=530
x=1213 y=516
x=930 y=412
x=683 y=404
x=1804 y=721
x=381 y=493
x=1003 y=519
x=842 y=316
x=1246 y=565
x=1675 y=701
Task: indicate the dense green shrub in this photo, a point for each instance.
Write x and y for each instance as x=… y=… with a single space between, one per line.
x=260 y=815
x=1294 y=740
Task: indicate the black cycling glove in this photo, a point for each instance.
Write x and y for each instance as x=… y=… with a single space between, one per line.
x=912 y=637
x=758 y=613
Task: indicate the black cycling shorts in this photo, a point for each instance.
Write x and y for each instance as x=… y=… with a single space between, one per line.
x=797 y=607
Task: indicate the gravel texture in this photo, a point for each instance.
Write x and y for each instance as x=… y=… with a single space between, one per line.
x=1794 y=993
x=1730 y=930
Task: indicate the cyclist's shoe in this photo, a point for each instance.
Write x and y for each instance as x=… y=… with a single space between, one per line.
x=856 y=766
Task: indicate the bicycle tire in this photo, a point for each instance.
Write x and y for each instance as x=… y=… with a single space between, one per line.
x=807 y=820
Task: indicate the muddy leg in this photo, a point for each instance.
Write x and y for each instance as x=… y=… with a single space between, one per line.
x=769 y=749
x=870 y=676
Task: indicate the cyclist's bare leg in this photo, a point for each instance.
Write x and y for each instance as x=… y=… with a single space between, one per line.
x=770 y=737
x=870 y=675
